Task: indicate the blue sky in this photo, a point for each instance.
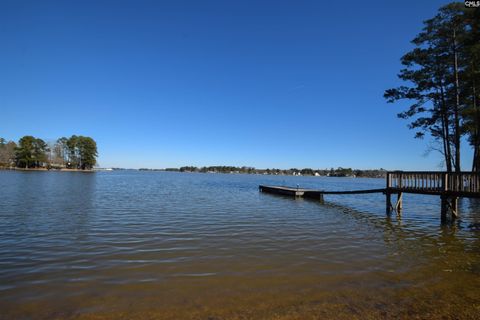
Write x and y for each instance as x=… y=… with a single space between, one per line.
x=259 y=83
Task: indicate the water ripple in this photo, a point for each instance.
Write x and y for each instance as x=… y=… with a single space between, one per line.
x=168 y=229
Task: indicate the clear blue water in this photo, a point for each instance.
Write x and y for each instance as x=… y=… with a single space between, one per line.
x=188 y=245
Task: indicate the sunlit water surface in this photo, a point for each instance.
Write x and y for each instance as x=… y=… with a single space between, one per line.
x=159 y=245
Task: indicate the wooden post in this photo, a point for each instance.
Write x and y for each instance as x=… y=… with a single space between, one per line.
x=388 y=198
x=399 y=205
x=444 y=208
x=320 y=198
x=388 y=201
x=445 y=182
x=454 y=206
x=449 y=203
x=443 y=198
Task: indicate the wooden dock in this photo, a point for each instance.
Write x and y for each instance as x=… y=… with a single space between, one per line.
x=449 y=186
x=310 y=193
x=287 y=191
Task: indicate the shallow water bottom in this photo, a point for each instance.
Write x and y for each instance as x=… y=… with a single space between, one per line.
x=378 y=295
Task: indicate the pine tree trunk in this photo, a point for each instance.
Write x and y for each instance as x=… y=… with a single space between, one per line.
x=457 y=105
x=476 y=142
x=446 y=131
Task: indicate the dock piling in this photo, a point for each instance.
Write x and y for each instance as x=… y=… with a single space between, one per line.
x=388 y=202
x=399 y=205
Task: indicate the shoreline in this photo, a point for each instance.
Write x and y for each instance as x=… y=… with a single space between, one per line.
x=187 y=172
x=45 y=169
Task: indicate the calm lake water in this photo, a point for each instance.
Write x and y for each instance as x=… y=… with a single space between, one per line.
x=159 y=245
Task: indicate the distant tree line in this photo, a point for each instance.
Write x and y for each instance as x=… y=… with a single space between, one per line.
x=76 y=152
x=339 y=172
x=442 y=81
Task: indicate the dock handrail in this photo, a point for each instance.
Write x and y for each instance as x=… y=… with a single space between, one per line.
x=434 y=181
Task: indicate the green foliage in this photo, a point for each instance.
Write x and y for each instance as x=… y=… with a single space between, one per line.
x=87 y=149
x=76 y=152
x=339 y=172
x=7 y=153
x=441 y=75
x=307 y=172
x=471 y=85
x=31 y=152
x=343 y=172
x=81 y=152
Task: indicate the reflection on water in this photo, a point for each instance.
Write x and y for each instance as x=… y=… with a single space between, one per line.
x=121 y=245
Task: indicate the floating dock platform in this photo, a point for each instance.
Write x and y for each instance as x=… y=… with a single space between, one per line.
x=311 y=193
x=294 y=192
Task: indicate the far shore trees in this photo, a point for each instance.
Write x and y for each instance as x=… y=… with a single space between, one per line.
x=442 y=73
x=81 y=152
x=339 y=172
x=7 y=153
x=31 y=152
x=76 y=152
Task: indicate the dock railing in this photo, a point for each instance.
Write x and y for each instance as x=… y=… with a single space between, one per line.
x=466 y=183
